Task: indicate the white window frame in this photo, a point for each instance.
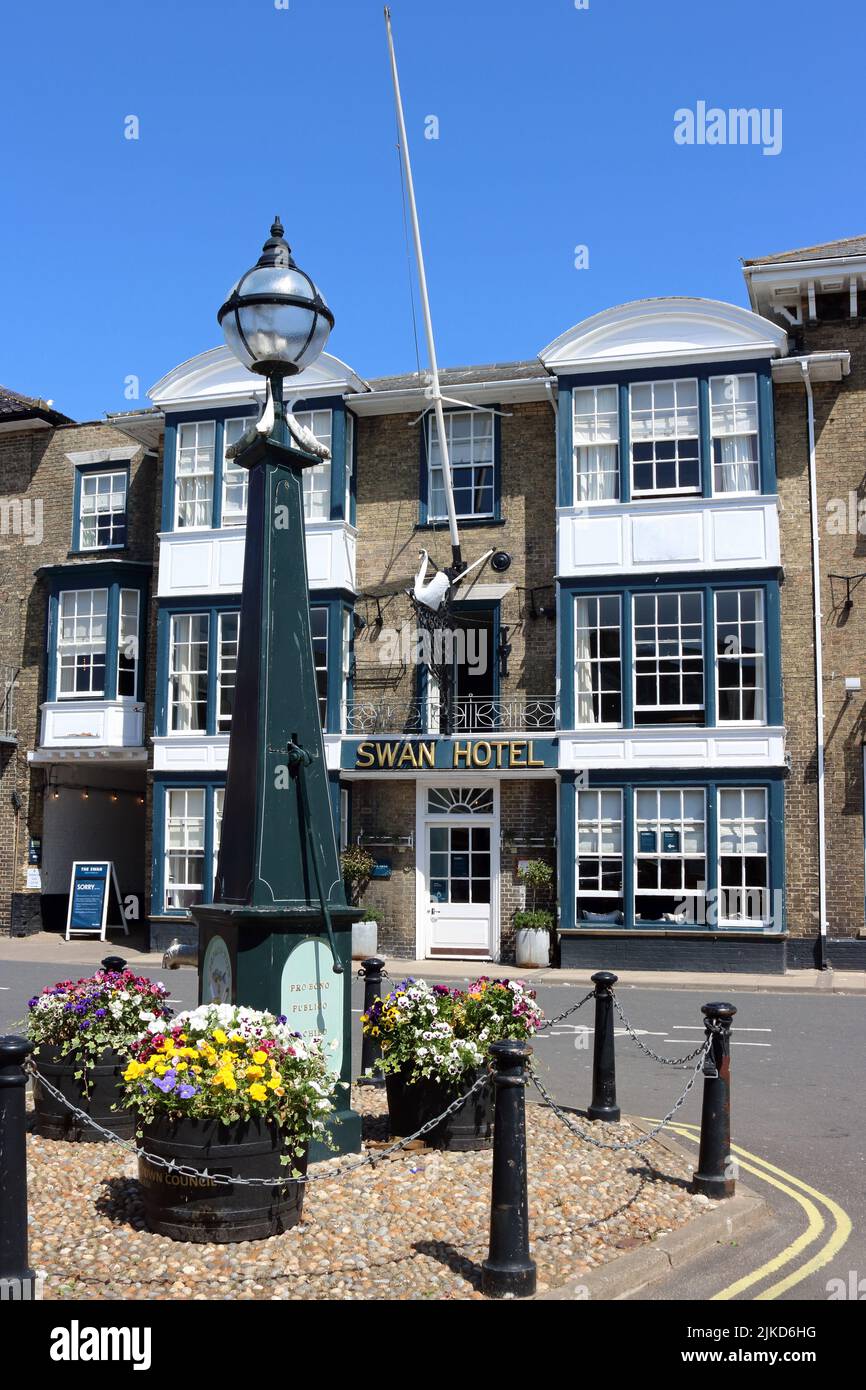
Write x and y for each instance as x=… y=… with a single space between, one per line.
x=595 y=442
x=233 y=475
x=741 y=824
x=600 y=823
x=735 y=404
x=82 y=645
x=317 y=666
x=197 y=449
x=317 y=479
x=188 y=851
x=760 y=655
x=129 y=639
x=225 y=668
x=173 y=643
x=681 y=657
x=350 y=466
x=656 y=413
x=593 y=664
x=219 y=795
x=433 y=468
x=113 y=474
x=680 y=824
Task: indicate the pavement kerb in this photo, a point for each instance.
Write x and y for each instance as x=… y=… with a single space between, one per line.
x=630 y=1273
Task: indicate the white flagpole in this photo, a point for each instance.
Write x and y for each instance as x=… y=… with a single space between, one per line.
x=435 y=391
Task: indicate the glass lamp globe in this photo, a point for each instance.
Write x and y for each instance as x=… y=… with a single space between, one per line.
x=275 y=320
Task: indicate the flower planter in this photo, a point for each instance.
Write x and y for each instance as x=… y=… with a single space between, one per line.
x=193 y=1209
x=365 y=939
x=412 y=1103
x=532 y=948
x=95 y=1092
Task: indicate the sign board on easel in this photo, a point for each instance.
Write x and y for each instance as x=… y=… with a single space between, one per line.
x=93 y=883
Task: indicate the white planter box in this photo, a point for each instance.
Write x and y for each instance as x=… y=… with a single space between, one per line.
x=365 y=936
x=532 y=948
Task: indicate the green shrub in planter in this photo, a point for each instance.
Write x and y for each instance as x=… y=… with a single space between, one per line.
x=538 y=920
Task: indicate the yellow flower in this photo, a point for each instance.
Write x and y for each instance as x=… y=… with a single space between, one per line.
x=160 y=1069
x=134 y=1071
x=273 y=1084
x=252 y=1072
x=258 y=1091
x=169 y=1047
x=259 y=1057
x=219 y=1036
x=236 y=1038
x=181 y=1066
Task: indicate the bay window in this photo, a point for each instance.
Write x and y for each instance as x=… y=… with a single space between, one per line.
x=228 y=637
x=317 y=479
x=734 y=432
x=184 y=847
x=744 y=882
x=81 y=642
x=599 y=856
x=598 y=664
x=127 y=643
x=668 y=659
x=235 y=479
x=740 y=656
x=596 y=444
x=188 y=673
x=670 y=854
x=665 y=437
x=194 y=475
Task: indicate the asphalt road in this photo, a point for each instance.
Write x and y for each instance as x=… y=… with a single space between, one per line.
x=798 y=1103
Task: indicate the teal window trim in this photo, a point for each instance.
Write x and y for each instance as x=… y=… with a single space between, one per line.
x=178 y=608
x=339 y=432
x=424 y=519
x=83 y=470
x=335 y=607
x=571 y=590
x=209 y=782
x=757 y=366
x=79 y=577
x=772 y=781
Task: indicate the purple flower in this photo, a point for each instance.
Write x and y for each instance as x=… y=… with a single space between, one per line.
x=185 y=1091
x=100 y=1013
x=31 y=1003
x=165 y=1083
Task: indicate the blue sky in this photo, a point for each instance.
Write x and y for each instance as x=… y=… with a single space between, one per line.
x=555 y=130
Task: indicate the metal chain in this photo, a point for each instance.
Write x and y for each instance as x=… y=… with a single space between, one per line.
x=549 y=1022
x=631 y=1144
x=371 y=1159
x=681 y=1062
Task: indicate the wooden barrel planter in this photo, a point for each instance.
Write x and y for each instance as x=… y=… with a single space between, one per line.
x=96 y=1092
x=194 y=1209
x=412 y=1103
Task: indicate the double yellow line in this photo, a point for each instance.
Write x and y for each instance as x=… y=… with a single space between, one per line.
x=817 y=1208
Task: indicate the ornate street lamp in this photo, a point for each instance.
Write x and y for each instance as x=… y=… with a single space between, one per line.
x=278 y=935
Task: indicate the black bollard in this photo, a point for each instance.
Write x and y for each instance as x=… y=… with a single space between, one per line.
x=16 y=1276
x=508 y=1269
x=604 y=1106
x=114 y=963
x=371 y=1050
x=715 y=1172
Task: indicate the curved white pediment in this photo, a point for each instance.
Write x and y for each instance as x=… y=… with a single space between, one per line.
x=664 y=331
x=217 y=378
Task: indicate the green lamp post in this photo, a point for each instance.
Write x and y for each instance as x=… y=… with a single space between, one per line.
x=278 y=935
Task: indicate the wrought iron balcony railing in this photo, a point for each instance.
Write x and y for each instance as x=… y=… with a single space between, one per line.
x=513 y=714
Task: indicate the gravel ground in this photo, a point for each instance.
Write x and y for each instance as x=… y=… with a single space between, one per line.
x=415 y=1229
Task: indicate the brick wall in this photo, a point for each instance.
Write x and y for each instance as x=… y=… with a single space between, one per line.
x=34 y=467
x=840 y=432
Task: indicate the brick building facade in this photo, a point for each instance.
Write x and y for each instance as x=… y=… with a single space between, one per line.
x=652 y=461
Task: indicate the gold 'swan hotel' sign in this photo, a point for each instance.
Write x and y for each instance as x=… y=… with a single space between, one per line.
x=459 y=753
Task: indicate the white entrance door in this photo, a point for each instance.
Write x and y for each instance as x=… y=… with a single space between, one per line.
x=461 y=879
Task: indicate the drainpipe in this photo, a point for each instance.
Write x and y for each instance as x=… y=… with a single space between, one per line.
x=819 y=672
